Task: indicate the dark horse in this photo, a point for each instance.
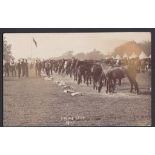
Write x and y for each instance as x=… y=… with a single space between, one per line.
x=118 y=73
x=98 y=77
x=83 y=70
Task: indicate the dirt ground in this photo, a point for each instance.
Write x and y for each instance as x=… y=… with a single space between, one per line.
x=37 y=102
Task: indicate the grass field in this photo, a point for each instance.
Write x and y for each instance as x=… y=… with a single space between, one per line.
x=37 y=102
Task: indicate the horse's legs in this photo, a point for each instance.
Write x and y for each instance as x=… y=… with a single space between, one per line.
x=119 y=81
x=131 y=86
x=79 y=79
x=107 y=83
x=93 y=85
x=114 y=82
x=96 y=86
x=136 y=87
x=15 y=72
x=100 y=85
x=12 y=71
x=134 y=83
x=84 y=78
x=90 y=80
x=112 y=85
x=75 y=76
x=87 y=79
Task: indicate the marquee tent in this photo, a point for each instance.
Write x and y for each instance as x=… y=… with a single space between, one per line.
x=118 y=57
x=133 y=56
x=142 y=55
x=125 y=56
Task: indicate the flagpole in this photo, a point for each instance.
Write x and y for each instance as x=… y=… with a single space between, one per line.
x=31 y=49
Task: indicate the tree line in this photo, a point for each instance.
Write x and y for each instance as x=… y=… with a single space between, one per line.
x=128 y=48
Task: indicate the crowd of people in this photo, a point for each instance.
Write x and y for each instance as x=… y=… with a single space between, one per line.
x=45 y=65
x=21 y=68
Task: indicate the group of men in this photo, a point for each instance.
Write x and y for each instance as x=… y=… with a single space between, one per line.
x=20 y=68
x=45 y=65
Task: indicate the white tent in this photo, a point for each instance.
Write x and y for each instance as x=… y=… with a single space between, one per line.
x=133 y=56
x=118 y=57
x=113 y=57
x=107 y=57
x=125 y=56
x=142 y=56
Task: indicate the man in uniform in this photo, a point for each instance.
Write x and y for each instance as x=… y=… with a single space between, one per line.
x=39 y=68
x=26 y=68
x=12 y=68
x=36 y=68
x=19 y=68
x=6 y=68
x=51 y=66
x=23 y=67
x=47 y=67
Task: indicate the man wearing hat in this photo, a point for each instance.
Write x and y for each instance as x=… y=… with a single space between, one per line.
x=19 y=68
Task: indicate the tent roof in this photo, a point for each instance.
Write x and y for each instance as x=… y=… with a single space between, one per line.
x=133 y=56
x=118 y=57
x=142 y=55
x=125 y=56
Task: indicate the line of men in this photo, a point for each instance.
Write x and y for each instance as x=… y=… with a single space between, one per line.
x=46 y=66
x=20 y=68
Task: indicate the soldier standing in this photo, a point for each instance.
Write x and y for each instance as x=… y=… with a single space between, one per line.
x=43 y=65
x=6 y=68
x=19 y=68
x=26 y=68
x=12 y=68
x=51 y=66
x=23 y=67
x=36 y=68
x=47 y=68
x=39 y=68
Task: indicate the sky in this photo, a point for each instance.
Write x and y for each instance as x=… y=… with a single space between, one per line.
x=55 y=44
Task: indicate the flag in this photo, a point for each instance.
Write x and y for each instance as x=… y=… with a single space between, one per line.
x=35 y=42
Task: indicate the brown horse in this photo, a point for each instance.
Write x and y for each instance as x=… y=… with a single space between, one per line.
x=118 y=73
x=98 y=77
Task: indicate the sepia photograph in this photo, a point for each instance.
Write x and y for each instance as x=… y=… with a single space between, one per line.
x=77 y=79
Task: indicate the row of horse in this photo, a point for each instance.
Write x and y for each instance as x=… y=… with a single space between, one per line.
x=98 y=73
